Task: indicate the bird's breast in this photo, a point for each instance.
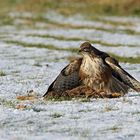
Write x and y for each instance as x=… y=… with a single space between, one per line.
x=95 y=73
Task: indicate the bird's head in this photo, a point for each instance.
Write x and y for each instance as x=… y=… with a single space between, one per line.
x=88 y=50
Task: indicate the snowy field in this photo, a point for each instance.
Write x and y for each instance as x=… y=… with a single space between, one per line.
x=25 y=67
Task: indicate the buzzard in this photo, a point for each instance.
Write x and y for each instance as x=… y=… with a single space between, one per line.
x=95 y=74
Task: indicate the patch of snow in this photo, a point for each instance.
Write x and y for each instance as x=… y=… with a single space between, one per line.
x=35 y=68
x=86 y=34
x=120 y=51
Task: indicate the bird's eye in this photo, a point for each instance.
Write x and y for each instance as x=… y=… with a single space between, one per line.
x=86 y=50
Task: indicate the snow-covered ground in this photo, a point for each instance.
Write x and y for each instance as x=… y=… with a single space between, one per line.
x=34 y=69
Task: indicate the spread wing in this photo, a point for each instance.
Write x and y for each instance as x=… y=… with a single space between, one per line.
x=122 y=75
x=67 y=79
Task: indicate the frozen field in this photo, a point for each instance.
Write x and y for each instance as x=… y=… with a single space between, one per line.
x=30 y=59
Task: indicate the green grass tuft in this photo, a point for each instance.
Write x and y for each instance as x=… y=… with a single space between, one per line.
x=56 y=115
x=2 y=73
x=50 y=47
x=132 y=60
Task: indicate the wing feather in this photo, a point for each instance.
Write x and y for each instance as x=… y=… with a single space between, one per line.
x=67 y=79
x=117 y=86
x=122 y=75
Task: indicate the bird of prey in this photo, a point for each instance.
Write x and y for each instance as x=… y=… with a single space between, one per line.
x=101 y=72
x=96 y=74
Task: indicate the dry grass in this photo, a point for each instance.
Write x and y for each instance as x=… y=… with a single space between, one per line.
x=69 y=7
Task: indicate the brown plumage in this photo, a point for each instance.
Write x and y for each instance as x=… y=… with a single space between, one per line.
x=102 y=72
x=96 y=74
x=66 y=80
